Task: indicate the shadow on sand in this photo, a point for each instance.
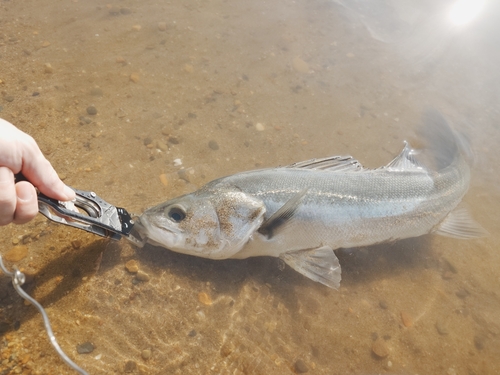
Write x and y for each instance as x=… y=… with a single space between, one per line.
x=65 y=273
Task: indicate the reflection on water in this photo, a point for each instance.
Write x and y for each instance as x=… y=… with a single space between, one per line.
x=145 y=101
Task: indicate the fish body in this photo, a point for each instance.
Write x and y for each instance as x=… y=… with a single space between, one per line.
x=304 y=211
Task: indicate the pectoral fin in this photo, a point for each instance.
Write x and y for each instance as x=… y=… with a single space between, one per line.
x=320 y=264
x=282 y=215
x=459 y=224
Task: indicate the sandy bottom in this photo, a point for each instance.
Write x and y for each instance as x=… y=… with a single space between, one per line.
x=114 y=94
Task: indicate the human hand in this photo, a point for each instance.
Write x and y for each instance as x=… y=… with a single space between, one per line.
x=20 y=153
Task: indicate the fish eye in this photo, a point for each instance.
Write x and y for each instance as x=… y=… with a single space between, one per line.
x=176 y=213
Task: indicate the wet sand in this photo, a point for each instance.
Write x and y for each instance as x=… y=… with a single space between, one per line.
x=115 y=94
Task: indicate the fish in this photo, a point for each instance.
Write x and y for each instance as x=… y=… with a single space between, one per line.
x=302 y=212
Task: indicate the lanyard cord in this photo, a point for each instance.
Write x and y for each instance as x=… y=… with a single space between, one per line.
x=18 y=279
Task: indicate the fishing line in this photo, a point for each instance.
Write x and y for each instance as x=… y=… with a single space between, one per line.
x=18 y=279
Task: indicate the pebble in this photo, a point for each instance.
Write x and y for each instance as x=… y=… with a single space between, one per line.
x=85 y=348
x=84 y=120
x=379 y=348
x=479 y=342
x=161 y=145
x=188 y=68
x=177 y=162
x=259 y=127
x=406 y=319
x=96 y=91
x=132 y=266
x=448 y=265
x=204 y=298
x=134 y=77
x=130 y=366
x=76 y=244
x=201 y=314
x=146 y=354
x=213 y=145
x=147 y=141
x=462 y=293
x=91 y=110
x=142 y=276
x=173 y=140
x=9 y=98
x=16 y=254
x=183 y=175
x=164 y=179
x=48 y=68
x=300 y=366
x=137 y=27
x=383 y=305
x=162 y=26
x=114 y=10
x=226 y=349
x=442 y=327
x=45 y=43
x=300 y=65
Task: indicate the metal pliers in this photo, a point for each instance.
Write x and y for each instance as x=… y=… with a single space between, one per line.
x=88 y=212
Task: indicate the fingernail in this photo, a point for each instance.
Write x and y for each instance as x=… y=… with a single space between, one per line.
x=25 y=194
x=70 y=193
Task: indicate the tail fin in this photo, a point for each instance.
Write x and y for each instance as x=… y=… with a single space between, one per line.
x=443 y=144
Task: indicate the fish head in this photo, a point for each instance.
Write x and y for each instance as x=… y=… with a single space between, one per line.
x=212 y=225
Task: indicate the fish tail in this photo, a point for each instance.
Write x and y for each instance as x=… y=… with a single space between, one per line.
x=445 y=146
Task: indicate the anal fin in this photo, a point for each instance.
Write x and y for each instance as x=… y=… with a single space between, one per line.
x=319 y=264
x=459 y=224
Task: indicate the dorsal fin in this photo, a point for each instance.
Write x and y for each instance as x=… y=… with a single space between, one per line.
x=405 y=161
x=332 y=163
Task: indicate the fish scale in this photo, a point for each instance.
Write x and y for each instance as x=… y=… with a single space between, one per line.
x=352 y=208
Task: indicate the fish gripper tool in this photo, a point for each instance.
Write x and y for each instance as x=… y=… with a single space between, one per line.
x=88 y=212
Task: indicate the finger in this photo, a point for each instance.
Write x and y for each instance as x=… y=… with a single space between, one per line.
x=27 y=202
x=40 y=172
x=8 y=198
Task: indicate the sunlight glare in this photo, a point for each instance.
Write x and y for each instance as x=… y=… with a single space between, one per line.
x=464 y=11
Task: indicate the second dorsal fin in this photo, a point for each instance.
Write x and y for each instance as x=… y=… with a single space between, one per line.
x=405 y=161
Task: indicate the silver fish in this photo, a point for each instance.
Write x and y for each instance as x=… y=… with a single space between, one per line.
x=302 y=212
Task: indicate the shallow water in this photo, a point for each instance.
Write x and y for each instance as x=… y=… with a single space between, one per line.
x=227 y=86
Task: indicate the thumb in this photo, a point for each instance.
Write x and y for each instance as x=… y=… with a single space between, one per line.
x=27 y=202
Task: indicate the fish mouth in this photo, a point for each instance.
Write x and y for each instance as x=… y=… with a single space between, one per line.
x=155 y=223
x=155 y=231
